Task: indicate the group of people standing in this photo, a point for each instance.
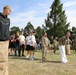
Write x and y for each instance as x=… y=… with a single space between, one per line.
x=18 y=43
x=64 y=46
x=31 y=45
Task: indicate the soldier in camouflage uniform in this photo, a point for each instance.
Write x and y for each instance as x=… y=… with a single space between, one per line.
x=74 y=43
x=55 y=44
x=62 y=50
x=67 y=44
x=45 y=45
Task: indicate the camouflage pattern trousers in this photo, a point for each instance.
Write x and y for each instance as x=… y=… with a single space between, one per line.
x=4 y=57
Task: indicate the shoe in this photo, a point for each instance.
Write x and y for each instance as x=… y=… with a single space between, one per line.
x=31 y=58
x=54 y=52
x=15 y=55
x=27 y=56
x=23 y=55
x=19 y=55
x=43 y=59
x=64 y=62
x=34 y=57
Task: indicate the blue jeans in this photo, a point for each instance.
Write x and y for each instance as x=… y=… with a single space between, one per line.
x=17 y=48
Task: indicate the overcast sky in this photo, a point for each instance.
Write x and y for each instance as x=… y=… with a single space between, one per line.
x=36 y=11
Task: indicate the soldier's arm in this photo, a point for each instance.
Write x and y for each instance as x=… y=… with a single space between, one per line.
x=48 y=42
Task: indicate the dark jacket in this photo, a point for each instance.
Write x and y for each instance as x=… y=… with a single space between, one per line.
x=4 y=28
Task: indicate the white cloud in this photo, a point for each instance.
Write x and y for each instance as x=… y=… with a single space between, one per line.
x=69 y=4
x=15 y=7
x=45 y=6
x=30 y=13
x=21 y=19
x=72 y=19
x=70 y=11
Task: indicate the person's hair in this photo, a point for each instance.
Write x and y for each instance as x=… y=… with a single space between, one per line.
x=44 y=33
x=67 y=32
x=21 y=32
x=34 y=31
x=7 y=7
x=29 y=33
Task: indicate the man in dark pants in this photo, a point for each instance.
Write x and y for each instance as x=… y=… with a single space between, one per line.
x=17 y=43
x=4 y=39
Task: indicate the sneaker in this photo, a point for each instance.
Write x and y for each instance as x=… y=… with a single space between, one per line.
x=43 y=59
x=15 y=54
x=64 y=62
x=27 y=56
x=34 y=57
x=19 y=55
x=23 y=55
x=31 y=58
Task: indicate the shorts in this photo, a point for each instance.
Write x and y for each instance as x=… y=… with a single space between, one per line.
x=28 y=47
x=32 y=48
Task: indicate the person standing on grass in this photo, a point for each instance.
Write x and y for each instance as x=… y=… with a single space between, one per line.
x=45 y=45
x=12 y=44
x=51 y=43
x=22 y=43
x=67 y=44
x=62 y=48
x=17 y=43
x=4 y=39
x=32 y=46
x=28 y=43
x=74 y=44
x=55 y=44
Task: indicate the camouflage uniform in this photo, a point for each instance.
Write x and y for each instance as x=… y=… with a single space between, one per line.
x=55 y=45
x=67 y=46
x=45 y=45
x=74 y=44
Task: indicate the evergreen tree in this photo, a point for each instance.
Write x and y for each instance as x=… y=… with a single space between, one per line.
x=39 y=32
x=74 y=30
x=56 y=22
x=14 y=30
x=29 y=28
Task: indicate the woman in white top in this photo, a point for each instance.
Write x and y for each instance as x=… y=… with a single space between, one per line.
x=28 y=44
x=33 y=43
x=22 y=43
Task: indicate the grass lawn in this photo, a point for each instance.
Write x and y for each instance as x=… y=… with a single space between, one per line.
x=22 y=66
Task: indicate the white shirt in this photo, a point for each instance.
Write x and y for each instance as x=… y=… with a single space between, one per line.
x=28 y=40
x=22 y=39
x=33 y=40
